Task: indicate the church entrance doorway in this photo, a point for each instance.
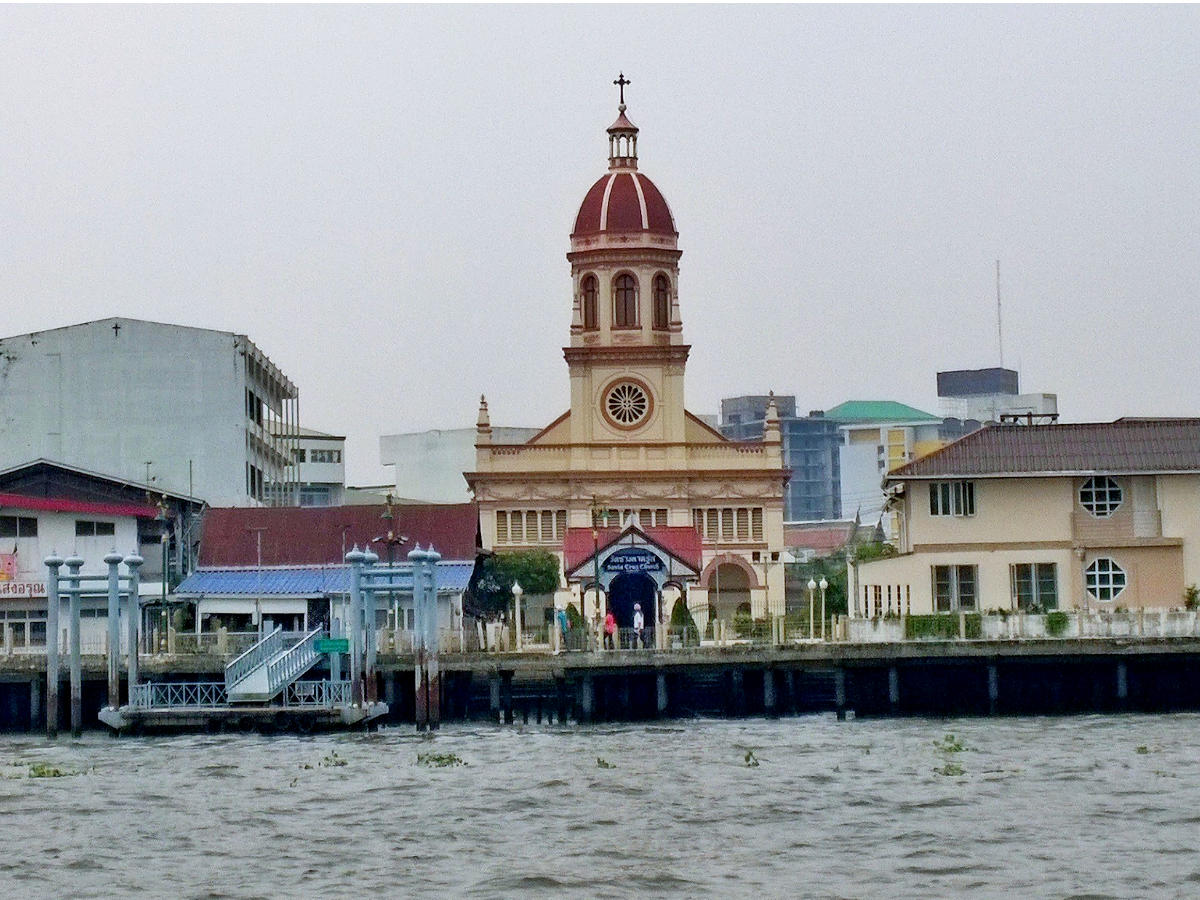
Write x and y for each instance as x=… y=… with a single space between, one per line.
x=627 y=590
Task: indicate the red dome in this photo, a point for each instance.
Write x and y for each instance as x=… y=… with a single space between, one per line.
x=623 y=202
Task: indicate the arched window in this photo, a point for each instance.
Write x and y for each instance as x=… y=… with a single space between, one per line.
x=662 y=302
x=590 y=292
x=625 y=304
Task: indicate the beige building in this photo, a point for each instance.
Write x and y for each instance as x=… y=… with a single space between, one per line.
x=627 y=446
x=1039 y=517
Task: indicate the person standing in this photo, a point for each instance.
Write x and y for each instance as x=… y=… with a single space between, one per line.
x=610 y=631
x=639 y=626
x=563 y=622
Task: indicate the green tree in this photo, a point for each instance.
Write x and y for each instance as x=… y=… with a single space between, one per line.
x=537 y=571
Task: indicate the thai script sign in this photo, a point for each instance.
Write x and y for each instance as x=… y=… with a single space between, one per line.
x=633 y=560
x=22 y=589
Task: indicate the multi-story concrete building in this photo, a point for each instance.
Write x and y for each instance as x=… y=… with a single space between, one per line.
x=1040 y=517
x=989 y=395
x=878 y=436
x=811 y=452
x=189 y=410
x=700 y=515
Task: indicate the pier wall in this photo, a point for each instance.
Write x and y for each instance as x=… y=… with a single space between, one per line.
x=911 y=678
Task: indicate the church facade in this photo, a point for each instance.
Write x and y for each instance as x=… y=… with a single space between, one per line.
x=628 y=484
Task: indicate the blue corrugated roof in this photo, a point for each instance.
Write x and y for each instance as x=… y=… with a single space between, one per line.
x=306 y=581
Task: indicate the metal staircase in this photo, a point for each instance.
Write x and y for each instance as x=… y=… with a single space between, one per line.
x=269 y=666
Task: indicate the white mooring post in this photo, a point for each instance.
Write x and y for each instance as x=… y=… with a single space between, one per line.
x=369 y=638
x=112 y=560
x=416 y=559
x=74 y=564
x=133 y=562
x=355 y=558
x=53 y=562
x=432 y=640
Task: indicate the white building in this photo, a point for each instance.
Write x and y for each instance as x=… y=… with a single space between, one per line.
x=429 y=465
x=320 y=469
x=31 y=529
x=192 y=411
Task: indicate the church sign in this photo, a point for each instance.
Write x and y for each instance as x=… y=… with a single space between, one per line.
x=631 y=561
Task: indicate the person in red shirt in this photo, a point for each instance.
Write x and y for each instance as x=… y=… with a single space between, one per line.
x=610 y=631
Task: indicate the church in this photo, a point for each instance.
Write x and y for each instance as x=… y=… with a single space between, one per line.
x=643 y=502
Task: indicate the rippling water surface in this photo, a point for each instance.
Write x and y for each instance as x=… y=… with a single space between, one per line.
x=1045 y=807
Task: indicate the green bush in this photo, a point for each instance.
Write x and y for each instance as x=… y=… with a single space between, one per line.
x=743 y=625
x=1191 y=597
x=682 y=621
x=942 y=626
x=1056 y=623
x=574 y=618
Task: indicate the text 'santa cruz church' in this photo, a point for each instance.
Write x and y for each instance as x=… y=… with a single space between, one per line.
x=690 y=513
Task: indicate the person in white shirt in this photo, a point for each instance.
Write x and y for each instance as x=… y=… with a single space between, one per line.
x=639 y=624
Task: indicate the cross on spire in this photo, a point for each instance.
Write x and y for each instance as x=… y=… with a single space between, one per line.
x=620 y=82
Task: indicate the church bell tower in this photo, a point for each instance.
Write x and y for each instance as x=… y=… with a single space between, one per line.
x=626 y=356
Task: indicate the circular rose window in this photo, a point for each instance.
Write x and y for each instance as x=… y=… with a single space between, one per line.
x=627 y=404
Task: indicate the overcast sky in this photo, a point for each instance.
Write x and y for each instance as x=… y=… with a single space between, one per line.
x=381 y=197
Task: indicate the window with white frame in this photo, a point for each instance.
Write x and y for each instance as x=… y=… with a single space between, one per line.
x=1100 y=496
x=1034 y=586
x=952 y=498
x=954 y=588
x=1105 y=579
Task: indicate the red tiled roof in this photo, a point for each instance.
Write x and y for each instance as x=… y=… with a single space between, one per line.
x=1126 y=446
x=58 y=504
x=823 y=539
x=294 y=536
x=683 y=542
x=624 y=209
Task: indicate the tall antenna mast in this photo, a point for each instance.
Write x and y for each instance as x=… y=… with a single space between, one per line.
x=999 y=319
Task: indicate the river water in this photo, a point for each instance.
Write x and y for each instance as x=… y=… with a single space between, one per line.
x=1098 y=806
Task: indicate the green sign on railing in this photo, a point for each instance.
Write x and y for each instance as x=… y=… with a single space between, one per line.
x=332 y=645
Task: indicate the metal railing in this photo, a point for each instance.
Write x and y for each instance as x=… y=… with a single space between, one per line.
x=260 y=653
x=294 y=662
x=317 y=693
x=172 y=695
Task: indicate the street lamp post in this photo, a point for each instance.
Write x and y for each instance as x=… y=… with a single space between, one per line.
x=517 y=591
x=823 y=585
x=812 y=587
x=392 y=540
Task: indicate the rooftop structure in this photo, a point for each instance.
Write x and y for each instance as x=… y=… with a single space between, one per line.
x=191 y=411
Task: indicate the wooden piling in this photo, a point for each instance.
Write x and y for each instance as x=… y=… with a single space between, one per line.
x=506 y=696
x=660 y=689
x=893 y=689
x=1122 y=684
x=560 y=689
x=839 y=693
x=769 y=699
x=494 y=695
x=36 y=713
x=993 y=688
x=587 y=698
x=736 y=703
